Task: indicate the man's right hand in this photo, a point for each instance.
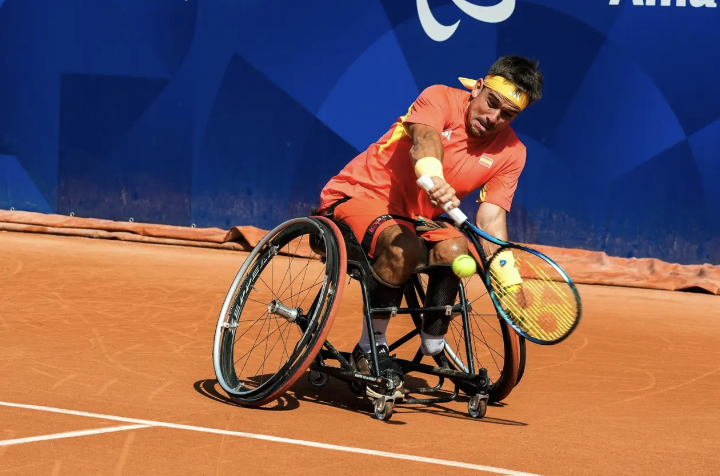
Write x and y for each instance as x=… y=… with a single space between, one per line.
x=442 y=193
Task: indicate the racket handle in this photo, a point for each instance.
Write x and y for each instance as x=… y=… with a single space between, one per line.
x=455 y=213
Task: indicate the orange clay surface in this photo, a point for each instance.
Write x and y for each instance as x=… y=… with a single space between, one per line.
x=125 y=329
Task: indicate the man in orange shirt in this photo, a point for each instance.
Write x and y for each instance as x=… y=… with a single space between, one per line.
x=463 y=141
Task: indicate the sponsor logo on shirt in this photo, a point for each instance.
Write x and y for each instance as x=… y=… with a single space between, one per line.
x=447 y=134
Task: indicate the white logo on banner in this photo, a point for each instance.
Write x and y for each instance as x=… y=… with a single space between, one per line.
x=439 y=32
x=670 y=3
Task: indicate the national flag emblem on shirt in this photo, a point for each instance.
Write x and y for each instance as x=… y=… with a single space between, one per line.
x=486 y=161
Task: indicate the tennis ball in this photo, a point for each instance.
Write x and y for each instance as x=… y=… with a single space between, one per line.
x=464 y=266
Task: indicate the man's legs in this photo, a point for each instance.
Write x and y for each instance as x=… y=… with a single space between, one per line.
x=393 y=249
x=441 y=290
x=394 y=252
x=395 y=256
x=397 y=253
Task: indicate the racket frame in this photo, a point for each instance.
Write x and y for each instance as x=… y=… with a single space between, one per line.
x=472 y=232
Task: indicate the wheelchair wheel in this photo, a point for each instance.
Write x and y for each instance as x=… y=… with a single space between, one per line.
x=279 y=310
x=494 y=345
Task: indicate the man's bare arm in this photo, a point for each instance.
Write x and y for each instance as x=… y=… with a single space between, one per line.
x=427 y=143
x=492 y=219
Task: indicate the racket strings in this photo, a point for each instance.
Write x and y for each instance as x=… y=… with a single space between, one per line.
x=544 y=305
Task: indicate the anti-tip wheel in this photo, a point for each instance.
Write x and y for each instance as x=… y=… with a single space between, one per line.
x=317 y=379
x=477 y=406
x=383 y=409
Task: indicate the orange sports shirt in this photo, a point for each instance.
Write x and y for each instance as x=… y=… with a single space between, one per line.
x=385 y=170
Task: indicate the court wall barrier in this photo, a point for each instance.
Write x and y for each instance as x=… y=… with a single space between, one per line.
x=584 y=267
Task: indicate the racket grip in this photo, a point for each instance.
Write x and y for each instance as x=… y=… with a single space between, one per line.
x=456 y=214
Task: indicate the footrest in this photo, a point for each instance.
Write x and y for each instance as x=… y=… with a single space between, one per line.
x=425 y=401
x=412 y=401
x=429 y=389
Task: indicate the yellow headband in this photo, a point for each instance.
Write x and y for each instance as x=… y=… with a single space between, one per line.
x=502 y=86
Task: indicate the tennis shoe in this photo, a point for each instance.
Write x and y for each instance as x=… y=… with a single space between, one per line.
x=361 y=362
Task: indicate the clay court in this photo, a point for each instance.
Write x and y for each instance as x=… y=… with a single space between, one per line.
x=106 y=362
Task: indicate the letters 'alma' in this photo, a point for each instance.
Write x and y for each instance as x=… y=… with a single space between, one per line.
x=669 y=3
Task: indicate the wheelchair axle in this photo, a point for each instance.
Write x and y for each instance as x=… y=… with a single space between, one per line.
x=277 y=308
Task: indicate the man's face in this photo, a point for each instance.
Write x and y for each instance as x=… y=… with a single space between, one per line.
x=488 y=112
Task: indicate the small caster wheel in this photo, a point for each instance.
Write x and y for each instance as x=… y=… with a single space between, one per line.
x=317 y=379
x=383 y=409
x=477 y=406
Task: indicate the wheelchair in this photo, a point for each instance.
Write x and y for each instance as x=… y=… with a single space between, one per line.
x=276 y=317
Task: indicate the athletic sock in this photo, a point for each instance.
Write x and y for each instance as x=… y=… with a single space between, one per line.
x=380 y=326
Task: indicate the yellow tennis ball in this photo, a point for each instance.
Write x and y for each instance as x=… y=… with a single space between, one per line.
x=464 y=266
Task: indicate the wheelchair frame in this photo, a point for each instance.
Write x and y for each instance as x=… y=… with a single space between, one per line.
x=317 y=348
x=475 y=383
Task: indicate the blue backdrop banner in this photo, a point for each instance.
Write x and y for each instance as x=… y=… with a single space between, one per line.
x=237 y=112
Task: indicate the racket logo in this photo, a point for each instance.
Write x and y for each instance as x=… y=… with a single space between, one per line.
x=438 y=32
x=503 y=262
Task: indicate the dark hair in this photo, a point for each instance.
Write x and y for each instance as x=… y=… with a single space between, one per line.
x=521 y=71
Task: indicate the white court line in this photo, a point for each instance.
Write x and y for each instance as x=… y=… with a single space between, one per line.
x=71 y=434
x=275 y=439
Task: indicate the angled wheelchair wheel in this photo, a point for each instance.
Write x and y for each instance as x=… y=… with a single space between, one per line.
x=493 y=343
x=279 y=310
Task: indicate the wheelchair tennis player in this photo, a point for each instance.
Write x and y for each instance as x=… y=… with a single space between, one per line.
x=464 y=141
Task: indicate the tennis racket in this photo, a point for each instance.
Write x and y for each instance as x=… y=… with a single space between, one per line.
x=529 y=290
